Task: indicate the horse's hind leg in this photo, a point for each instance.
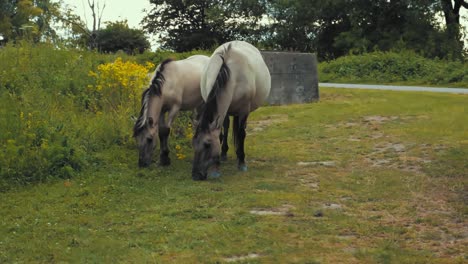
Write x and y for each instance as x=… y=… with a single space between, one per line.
x=224 y=139
x=240 y=124
x=164 y=132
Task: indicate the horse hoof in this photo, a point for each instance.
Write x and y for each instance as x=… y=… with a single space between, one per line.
x=165 y=162
x=243 y=167
x=215 y=174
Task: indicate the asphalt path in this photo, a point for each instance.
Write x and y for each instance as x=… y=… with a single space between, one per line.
x=397 y=88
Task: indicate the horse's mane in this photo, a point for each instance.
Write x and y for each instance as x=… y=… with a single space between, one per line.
x=155 y=89
x=210 y=108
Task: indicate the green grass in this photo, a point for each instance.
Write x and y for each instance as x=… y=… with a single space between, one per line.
x=394 y=192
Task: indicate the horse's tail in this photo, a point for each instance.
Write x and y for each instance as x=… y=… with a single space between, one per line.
x=216 y=74
x=213 y=80
x=154 y=89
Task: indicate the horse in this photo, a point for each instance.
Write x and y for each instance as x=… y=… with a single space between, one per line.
x=235 y=82
x=174 y=87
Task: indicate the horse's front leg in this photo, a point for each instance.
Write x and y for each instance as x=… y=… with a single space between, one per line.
x=164 y=132
x=224 y=139
x=240 y=123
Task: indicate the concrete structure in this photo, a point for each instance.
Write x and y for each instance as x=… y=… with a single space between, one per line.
x=293 y=77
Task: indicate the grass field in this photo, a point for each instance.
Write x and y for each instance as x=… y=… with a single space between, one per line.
x=360 y=177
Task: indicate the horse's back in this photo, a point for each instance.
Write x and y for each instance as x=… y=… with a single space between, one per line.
x=250 y=77
x=182 y=86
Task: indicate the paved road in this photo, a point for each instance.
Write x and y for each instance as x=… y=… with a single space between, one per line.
x=397 y=88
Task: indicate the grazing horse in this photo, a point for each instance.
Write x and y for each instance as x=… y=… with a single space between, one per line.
x=235 y=82
x=175 y=86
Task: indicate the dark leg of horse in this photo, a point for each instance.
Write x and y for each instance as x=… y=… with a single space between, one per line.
x=164 y=138
x=224 y=139
x=240 y=124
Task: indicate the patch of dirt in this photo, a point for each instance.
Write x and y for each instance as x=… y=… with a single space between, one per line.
x=397 y=156
x=283 y=210
x=329 y=163
x=379 y=119
x=332 y=206
x=255 y=126
x=305 y=177
x=366 y=120
x=372 y=123
x=242 y=258
x=434 y=225
x=385 y=147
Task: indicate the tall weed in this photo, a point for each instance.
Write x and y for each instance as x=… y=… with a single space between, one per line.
x=64 y=111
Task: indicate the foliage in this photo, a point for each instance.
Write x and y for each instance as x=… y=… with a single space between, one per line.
x=193 y=24
x=160 y=55
x=118 y=36
x=339 y=27
x=392 y=67
x=118 y=85
x=27 y=19
x=55 y=122
x=293 y=26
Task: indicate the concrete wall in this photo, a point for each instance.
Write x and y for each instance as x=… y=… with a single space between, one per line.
x=293 y=77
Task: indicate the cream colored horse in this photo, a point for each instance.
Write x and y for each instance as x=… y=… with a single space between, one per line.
x=175 y=86
x=235 y=82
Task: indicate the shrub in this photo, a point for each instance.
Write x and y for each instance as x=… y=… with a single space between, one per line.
x=390 y=67
x=65 y=111
x=118 y=85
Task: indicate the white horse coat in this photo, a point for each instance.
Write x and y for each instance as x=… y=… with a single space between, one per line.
x=249 y=82
x=174 y=86
x=235 y=82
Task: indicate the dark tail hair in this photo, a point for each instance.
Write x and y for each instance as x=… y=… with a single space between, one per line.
x=211 y=106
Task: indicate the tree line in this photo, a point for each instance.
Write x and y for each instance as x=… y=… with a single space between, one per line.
x=54 y=22
x=331 y=28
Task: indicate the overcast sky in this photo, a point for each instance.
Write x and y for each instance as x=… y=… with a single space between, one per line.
x=132 y=10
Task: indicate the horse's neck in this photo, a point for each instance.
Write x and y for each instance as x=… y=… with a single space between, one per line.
x=155 y=108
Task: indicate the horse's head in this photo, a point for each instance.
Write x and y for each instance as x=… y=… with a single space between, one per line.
x=145 y=129
x=207 y=149
x=145 y=137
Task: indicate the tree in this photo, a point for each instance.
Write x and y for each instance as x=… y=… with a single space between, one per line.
x=203 y=24
x=333 y=28
x=451 y=11
x=118 y=36
x=294 y=25
x=28 y=19
x=81 y=34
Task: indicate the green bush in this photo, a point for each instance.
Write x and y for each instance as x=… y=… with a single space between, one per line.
x=390 y=67
x=48 y=129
